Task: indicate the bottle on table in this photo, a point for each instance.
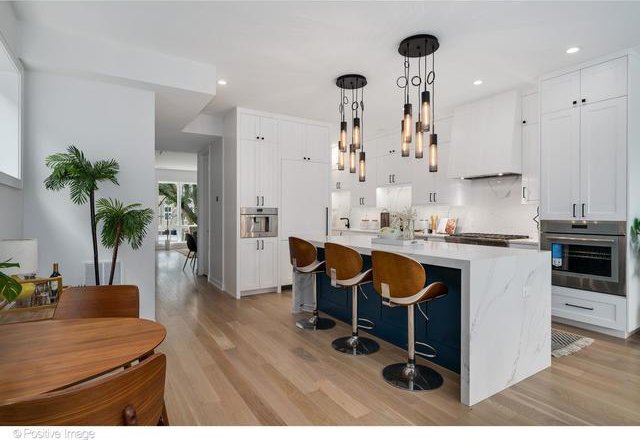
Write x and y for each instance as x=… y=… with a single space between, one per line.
x=55 y=287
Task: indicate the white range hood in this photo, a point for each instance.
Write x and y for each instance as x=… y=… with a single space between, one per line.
x=486 y=138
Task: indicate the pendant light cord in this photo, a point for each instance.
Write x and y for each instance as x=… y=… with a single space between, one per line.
x=433 y=93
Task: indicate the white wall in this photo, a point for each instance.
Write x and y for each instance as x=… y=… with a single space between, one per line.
x=216 y=239
x=105 y=121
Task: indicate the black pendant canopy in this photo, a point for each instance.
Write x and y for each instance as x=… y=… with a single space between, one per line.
x=418 y=46
x=351 y=81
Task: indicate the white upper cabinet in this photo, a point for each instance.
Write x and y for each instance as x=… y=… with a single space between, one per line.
x=363 y=194
x=259 y=128
x=530 y=149
x=603 y=160
x=305 y=142
x=531 y=163
x=247 y=173
x=604 y=81
x=530 y=110
x=316 y=143
x=560 y=93
x=258 y=174
x=486 y=137
x=560 y=164
x=304 y=197
x=291 y=140
x=584 y=147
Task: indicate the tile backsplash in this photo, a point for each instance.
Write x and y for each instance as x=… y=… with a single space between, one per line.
x=490 y=205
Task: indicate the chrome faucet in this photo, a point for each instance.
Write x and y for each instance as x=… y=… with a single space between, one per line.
x=348 y=225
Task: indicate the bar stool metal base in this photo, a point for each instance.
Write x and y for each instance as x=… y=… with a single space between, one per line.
x=316 y=323
x=355 y=345
x=412 y=377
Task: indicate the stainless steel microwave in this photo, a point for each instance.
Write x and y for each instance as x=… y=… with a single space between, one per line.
x=258 y=222
x=588 y=255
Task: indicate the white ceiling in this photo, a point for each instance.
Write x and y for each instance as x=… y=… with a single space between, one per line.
x=173 y=160
x=284 y=56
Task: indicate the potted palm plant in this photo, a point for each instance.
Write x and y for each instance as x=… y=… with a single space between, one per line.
x=121 y=223
x=74 y=170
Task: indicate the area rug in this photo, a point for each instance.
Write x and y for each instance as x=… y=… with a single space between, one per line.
x=565 y=343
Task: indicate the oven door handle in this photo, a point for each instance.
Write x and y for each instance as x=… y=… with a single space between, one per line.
x=595 y=240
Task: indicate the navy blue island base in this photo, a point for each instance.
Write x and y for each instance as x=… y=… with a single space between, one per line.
x=442 y=331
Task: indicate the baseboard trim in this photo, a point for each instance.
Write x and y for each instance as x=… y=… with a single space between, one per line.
x=594 y=328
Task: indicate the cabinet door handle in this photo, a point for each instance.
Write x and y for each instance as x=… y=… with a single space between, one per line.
x=258 y=137
x=435 y=197
x=574 y=210
x=262 y=244
x=262 y=138
x=578 y=307
x=583 y=209
x=430 y=197
x=524 y=122
x=584 y=100
x=262 y=200
x=575 y=102
x=523 y=192
x=257 y=245
x=257 y=200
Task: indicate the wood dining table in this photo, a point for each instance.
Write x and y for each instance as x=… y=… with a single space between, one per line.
x=43 y=356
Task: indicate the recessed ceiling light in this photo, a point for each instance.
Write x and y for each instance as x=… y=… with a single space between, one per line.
x=500 y=174
x=222 y=82
x=573 y=50
x=477 y=82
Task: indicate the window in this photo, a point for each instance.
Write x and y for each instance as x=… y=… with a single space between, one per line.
x=10 y=118
x=177 y=211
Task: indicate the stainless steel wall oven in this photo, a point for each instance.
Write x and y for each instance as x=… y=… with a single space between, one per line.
x=588 y=255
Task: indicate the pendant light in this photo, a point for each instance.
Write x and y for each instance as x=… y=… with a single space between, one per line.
x=419 y=46
x=362 y=167
x=404 y=146
x=355 y=83
x=352 y=158
x=419 y=140
x=433 y=153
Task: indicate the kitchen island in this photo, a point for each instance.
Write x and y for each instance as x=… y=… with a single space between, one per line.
x=494 y=326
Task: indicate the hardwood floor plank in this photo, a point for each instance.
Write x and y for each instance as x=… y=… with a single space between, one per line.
x=243 y=362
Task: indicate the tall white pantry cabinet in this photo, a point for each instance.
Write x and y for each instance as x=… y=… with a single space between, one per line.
x=271 y=161
x=590 y=166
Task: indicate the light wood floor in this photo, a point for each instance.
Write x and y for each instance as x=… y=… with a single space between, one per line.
x=244 y=363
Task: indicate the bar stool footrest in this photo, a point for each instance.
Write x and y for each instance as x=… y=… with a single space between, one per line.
x=367 y=324
x=355 y=345
x=433 y=352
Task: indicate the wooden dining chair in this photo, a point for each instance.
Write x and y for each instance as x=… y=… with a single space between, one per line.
x=98 y=302
x=134 y=396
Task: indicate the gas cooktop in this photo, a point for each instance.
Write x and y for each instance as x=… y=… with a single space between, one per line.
x=491 y=236
x=501 y=240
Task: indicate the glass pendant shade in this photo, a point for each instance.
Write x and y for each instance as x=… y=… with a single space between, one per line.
x=340 y=160
x=433 y=153
x=362 y=167
x=356 y=133
x=419 y=141
x=342 y=144
x=408 y=126
x=425 y=111
x=404 y=146
x=352 y=159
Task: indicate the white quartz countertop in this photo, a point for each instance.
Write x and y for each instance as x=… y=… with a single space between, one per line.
x=428 y=252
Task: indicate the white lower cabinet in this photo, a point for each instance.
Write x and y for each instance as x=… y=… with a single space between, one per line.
x=286 y=275
x=591 y=308
x=258 y=263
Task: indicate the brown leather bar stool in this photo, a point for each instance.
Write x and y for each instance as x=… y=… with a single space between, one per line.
x=400 y=281
x=344 y=266
x=304 y=259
